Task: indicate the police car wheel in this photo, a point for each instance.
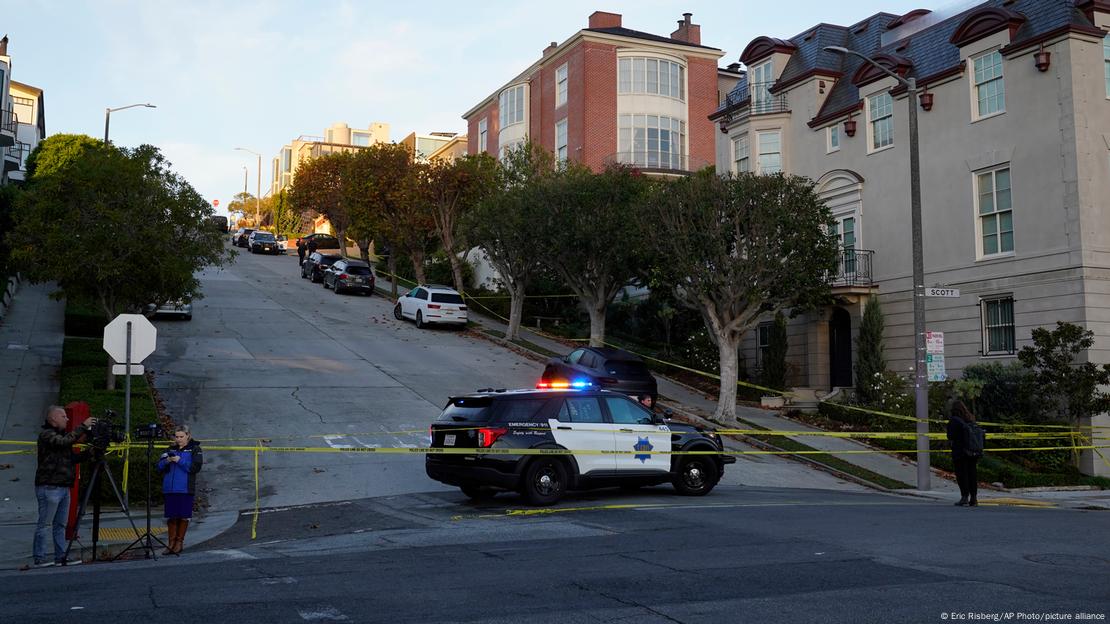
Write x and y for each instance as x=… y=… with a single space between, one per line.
x=545 y=481
x=397 y=312
x=477 y=493
x=695 y=476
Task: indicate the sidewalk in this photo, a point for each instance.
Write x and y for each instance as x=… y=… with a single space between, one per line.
x=31 y=337
x=890 y=466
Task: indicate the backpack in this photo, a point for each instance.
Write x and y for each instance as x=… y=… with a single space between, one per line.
x=976 y=440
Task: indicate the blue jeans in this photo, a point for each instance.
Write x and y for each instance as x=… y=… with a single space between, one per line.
x=53 y=515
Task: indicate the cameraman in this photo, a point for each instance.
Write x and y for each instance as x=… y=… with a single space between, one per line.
x=179 y=464
x=53 y=479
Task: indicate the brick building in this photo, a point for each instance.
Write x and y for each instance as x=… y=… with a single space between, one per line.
x=610 y=94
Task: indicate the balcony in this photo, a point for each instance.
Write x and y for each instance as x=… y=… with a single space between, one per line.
x=764 y=102
x=853 y=272
x=8 y=123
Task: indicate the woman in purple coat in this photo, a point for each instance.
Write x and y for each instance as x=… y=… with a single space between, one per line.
x=179 y=466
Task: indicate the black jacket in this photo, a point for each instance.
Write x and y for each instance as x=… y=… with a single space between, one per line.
x=957 y=435
x=57 y=461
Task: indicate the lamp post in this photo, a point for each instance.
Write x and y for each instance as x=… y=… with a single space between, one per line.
x=108 y=114
x=921 y=380
x=258 y=192
x=245 y=193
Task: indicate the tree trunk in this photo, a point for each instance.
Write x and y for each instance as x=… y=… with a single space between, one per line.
x=342 y=242
x=364 y=250
x=597 y=322
x=456 y=270
x=727 y=346
x=417 y=256
x=516 y=311
x=392 y=264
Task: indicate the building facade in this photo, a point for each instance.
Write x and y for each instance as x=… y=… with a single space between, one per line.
x=422 y=146
x=339 y=137
x=609 y=94
x=1015 y=174
x=30 y=126
x=451 y=150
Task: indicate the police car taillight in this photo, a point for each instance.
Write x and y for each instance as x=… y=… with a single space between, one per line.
x=488 y=435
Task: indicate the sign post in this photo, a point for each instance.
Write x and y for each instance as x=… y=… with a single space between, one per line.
x=129 y=338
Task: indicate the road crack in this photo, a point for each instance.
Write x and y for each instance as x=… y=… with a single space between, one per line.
x=305 y=407
x=623 y=601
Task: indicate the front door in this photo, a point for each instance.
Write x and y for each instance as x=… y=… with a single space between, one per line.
x=840 y=348
x=637 y=431
x=580 y=425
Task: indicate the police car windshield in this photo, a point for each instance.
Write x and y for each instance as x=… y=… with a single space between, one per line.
x=263 y=236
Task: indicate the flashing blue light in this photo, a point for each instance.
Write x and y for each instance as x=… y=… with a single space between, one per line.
x=580 y=383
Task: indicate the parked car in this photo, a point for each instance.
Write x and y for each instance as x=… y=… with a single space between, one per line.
x=589 y=423
x=323 y=241
x=432 y=303
x=612 y=369
x=219 y=222
x=263 y=242
x=315 y=263
x=241 y=236
x=349 y=275
x=283 y=242
x=171 y=308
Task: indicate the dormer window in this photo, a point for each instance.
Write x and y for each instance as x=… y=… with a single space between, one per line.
x=990 y=92
x=880 y=114
x=760 y=79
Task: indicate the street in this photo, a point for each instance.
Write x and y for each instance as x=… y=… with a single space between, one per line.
x=739 y=555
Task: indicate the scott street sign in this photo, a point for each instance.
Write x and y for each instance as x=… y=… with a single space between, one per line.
x=936 y=291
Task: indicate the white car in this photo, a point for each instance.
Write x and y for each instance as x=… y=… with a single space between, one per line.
x=431 y=303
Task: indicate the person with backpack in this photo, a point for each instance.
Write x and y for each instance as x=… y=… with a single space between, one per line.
x=967 y=439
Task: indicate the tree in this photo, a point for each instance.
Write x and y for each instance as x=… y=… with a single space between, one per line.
x=773 y=374
x=735 y=247
x=319 y=186
x=115 y=227
x=592 y=234
x=1070 y=388
x=870 y=360
x=450 y=190
x=503 y=224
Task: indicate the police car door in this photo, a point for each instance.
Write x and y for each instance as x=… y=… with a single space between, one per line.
x=580 y=426
x=636 y=432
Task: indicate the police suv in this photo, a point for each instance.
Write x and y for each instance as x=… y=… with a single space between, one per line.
x=582 y=428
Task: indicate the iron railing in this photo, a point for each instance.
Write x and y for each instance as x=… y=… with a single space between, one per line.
x=7 y=120
x=654 y=159
x=853 y=268
x=762 y=101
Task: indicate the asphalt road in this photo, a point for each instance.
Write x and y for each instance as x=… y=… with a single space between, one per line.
x=271 y=356
x=739 y=555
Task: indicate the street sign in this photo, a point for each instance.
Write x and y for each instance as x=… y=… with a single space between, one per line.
x=121 y=369
x=937 y=291
x=934 y=342
x=216 y=202
x=143 y=338
x=934 y=365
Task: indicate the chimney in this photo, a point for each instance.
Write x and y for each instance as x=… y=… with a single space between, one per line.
x=687 y=30
x=601 y=19
x=550 y=49
x=4 y=46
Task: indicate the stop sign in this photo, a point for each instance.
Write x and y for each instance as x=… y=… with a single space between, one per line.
x=215 y=202
x=143 y=337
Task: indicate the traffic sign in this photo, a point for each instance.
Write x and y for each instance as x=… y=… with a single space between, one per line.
x=934 y=342
x=937 y=291
x=215 y=202
x=143 y=338
x=121 y=369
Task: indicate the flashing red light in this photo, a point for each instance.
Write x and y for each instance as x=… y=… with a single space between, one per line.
x=488 y=435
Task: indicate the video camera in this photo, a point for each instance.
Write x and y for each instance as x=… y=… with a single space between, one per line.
x=149 y=432
x=106 y=431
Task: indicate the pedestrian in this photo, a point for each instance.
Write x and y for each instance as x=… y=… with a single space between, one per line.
x=300 y=252
x=312 y=245
x=54 y=477
x=963 y=456
x=179 y=464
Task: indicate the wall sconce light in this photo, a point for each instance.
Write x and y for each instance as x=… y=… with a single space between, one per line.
x=1042 y=59
x=821 y=86
x=724 y=126
x=850 y=127
x=926 y=100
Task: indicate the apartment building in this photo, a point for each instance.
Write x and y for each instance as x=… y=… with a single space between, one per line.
x=30 y=127
x=339 y=137
x=422 y=146
x=1015 y=173
x=610 y=94
x=451 y=150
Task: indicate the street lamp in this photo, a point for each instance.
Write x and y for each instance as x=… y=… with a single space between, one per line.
x=921 y=380
x=108 y=114
x=258 y=193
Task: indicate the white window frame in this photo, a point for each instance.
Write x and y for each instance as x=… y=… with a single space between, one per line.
x=633 y=78
x=762 y=342
x=561 y=84
x=832 y=139
x=985 y=325
x=367 y=135
x=561 y=140
x=760 y=153
x=872 y=121
x=483 y=134
x=511 y=104
x=741 y=154
x=760 y=79
x=980 y=80
x=641 y=140
x=980 y=250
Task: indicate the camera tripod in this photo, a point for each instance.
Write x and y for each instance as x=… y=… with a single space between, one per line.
x=145 y=539
x=100 y=467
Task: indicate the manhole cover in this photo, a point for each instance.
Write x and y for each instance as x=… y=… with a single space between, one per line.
x=1060 y=559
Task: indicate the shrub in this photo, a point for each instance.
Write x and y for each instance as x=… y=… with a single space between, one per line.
x=773 y=374
x=1007 y=393
x=84 y=319
x=869 y=350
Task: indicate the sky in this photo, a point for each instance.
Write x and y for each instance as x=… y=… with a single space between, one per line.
x=258 y=74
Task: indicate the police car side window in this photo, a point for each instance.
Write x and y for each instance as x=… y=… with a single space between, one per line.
x=575 y=356
x=587 y=360
x=526 y=410
x=625 y=412
x=581 y=410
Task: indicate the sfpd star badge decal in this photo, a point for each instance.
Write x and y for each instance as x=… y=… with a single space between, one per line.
x=643 y=444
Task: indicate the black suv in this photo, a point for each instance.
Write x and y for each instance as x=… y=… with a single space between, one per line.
x=349 y=276
x=612 y=369
x=314 y=265
x=612 y=441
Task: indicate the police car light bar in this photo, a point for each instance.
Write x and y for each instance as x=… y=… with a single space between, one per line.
x=577 y=384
